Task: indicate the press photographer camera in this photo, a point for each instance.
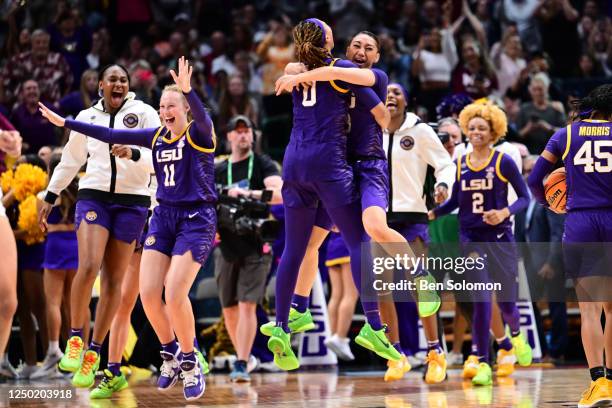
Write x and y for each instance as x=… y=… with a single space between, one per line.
x=246 y=217
x=249 y=183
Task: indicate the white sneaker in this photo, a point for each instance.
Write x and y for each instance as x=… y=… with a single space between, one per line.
x=252 y=364
x=49 y=366
x=454 y=359
x=6 y=369
x=26 y=371
x=269 y=367
x=417 y=360
x=341 y=347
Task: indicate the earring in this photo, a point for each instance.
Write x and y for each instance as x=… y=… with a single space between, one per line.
x=100 y=93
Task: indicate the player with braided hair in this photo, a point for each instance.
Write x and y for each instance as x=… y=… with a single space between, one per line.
x=584 y=146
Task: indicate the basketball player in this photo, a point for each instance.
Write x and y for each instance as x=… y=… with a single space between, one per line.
x=316 y=171
x=481 y=194
x=584 y=147
x=111 y=210
x=183 y=225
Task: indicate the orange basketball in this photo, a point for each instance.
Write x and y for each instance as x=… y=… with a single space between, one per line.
x=555 y=190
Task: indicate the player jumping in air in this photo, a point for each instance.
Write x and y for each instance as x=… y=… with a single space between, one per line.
x=182 y=228
x=585 y=148
x=316 y=171
x=481 y=194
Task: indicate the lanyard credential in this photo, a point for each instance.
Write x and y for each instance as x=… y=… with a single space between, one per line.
x=249 y=170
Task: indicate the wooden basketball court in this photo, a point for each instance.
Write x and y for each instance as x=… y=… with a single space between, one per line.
x=534 y=387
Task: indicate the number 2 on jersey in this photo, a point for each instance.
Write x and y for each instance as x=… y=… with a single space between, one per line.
x=591 y=150
x=169 y=175
x=477 y=200
x=309 y=95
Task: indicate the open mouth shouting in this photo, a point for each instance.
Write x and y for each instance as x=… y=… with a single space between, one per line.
x=117 y=97
x=170 y=120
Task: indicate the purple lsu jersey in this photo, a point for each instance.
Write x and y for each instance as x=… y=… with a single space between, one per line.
x=185 y=174
x=586 y=150
x=317 y=147
x=365 y=136
x=481 y=189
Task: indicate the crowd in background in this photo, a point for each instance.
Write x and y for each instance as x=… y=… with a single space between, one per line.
x=532 y=56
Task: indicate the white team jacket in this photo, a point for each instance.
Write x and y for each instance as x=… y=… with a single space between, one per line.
x=409 y=151
x=107 y=178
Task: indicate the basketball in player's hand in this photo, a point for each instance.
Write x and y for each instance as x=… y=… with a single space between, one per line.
x=555 y=190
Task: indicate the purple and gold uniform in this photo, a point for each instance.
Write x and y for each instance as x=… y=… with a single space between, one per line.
x=365 y=149
x=316 y=156
x=185 y=219
x=586 y=150
x=61 y=250
x=337 y=254
x=482 y=189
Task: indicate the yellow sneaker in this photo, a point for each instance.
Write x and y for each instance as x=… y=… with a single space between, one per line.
x=470 y=367
x=597 y=395
x=436 y=367
x=397 y=369
x=505 y=362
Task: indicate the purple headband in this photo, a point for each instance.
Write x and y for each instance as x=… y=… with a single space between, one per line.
x=319 y=24
x=404 y=91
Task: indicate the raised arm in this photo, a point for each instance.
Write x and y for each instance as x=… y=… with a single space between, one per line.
x=139 y=137
x=203 y=133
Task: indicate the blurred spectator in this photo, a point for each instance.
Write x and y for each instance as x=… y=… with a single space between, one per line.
x=540 y=118
x=508 y=61
x=71 y=40
x=394 y=63
x=236 y=101
x=74 y=102
x=215 y=57
x=134 y=51
x=430 y=13
x=449 y=126
x=100 y=54
x=275 y=52
x=434 y=61
x=242 y=38
x=350 y=16
x=475 y=75
x=244 y=66
x=47 y=68
x=559 y=35
x=35 y=130
x=144 y=83
x=44 y=153
x=522 y=13
x=588 y=67
x=600 y=44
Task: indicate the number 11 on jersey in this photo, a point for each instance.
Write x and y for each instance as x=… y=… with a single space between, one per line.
x=169 y=175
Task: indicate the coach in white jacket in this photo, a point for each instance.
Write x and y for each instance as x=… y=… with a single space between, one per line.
x=111 y=211
x=412 y=147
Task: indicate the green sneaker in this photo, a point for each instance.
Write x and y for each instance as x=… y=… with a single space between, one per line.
x=72 y=357
x=428 y=300
x=86 y=375
x=203 y=362
x=109 y=385
x=280 y=344
x=484 y=375
x=522 y=349
x=377 y=342
x=298 y=323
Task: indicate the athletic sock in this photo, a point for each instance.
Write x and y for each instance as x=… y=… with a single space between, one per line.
x=504 y=343
x=93 y=346
x=398 y=347
x=170 y=348
x=53 y=347
x=597 y=373
x=434 y=345
x=76 y=332
x=373 y=318
x=283 y=325
x=196 y=345
x=188 y=361
x=115 y=368
x=300 y=303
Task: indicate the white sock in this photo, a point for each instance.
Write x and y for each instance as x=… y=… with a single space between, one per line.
x=53 y=347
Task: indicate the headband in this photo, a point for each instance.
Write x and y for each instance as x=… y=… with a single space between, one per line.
x=404 y=91
x=319 y=24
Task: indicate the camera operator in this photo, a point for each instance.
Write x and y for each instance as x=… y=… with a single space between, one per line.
x=241 y=266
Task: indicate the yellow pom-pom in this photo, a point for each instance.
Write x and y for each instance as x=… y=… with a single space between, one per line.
x=28 y=180
x=28 y=221
x=6 y=180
